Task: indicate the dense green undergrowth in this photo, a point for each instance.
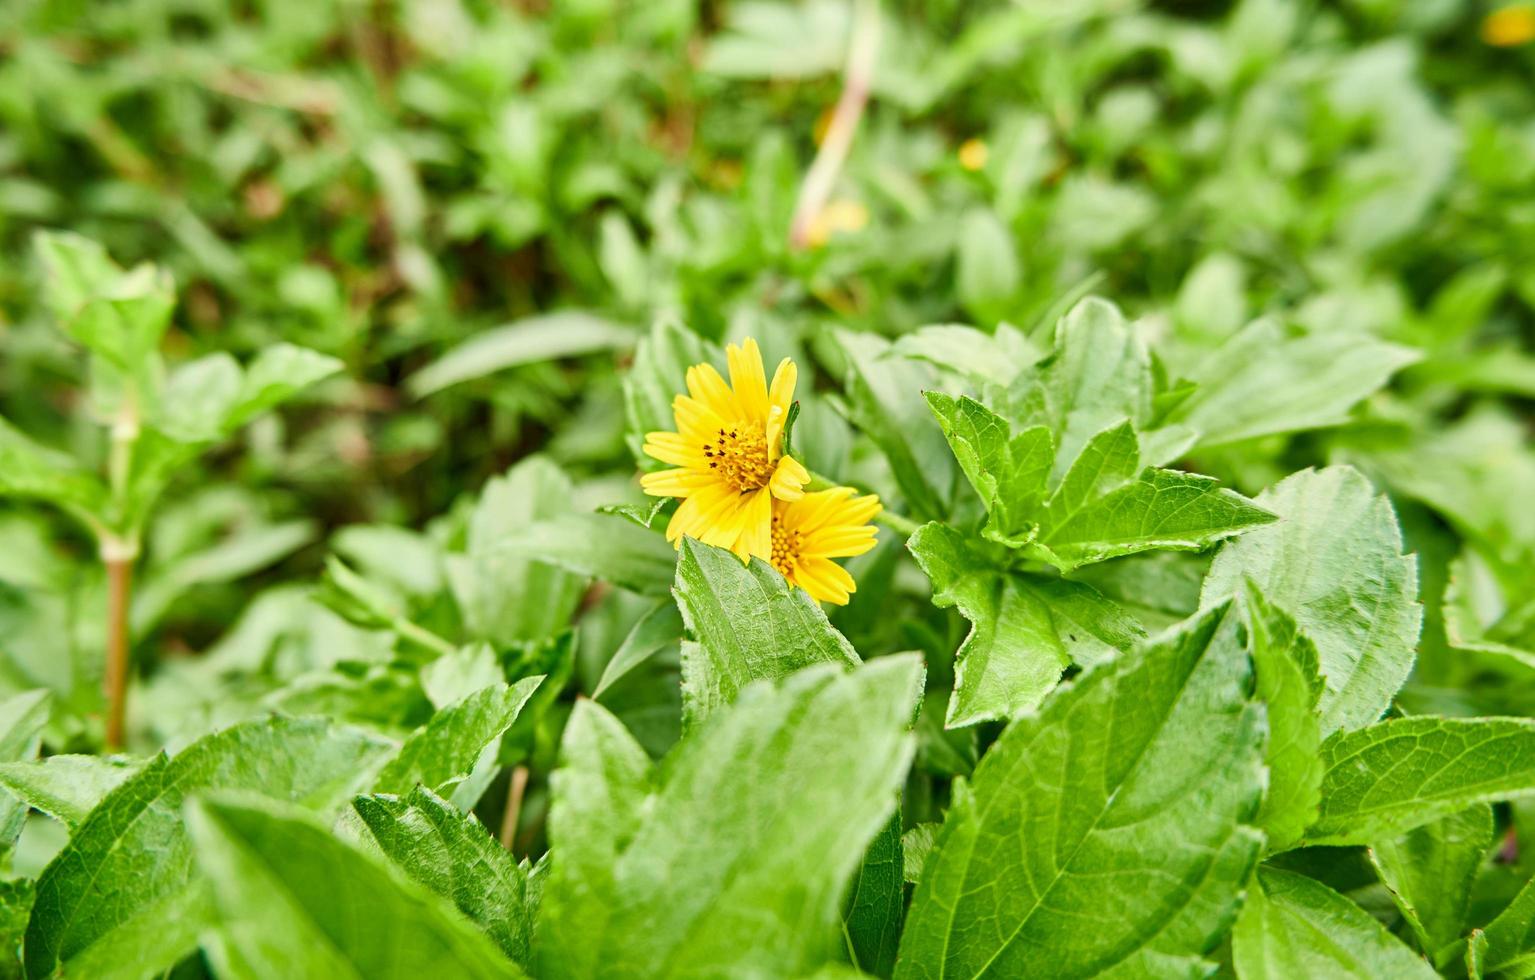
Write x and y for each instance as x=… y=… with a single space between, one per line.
x=1186 y=345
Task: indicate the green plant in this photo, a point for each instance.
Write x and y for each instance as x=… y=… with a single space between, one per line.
x=1186 y=350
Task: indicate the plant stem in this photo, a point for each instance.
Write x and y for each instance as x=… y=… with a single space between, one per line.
x=422 y=636
x=899 y=523
x=509 y=819
x=119 y=591
x=863 y=46
x=119 y=549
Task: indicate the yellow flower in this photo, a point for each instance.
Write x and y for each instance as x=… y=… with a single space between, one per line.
x=809 y=532
x=728 y=454
x=1511 y=26
x=837 y=217
x=973 y=155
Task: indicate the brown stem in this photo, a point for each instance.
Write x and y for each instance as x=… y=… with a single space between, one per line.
x=509 y=819
x=863 y=46
x=119 y=589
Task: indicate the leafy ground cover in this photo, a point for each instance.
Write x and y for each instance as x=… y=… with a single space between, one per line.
x=767 y=489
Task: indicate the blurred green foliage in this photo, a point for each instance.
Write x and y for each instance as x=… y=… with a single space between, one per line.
x=481 y=208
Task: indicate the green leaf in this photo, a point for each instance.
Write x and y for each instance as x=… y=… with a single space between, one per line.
x=645 y=515
x=1099 y=509
x=250 y=547
x=21 y=726
x=1162 y=509
x=445 y=749
x=1009 y=472
x=16 y=898
x=356 y=599
x=209 y=398
x=277 y=374
x=197 y=397
x=1098 y=376
x=1476 y=955
x=659 y=375
x=749 y=624
x=1212 y=302
x=507 y=598
x=600 y=546
x=1264 y=381
x=22 y=718
x=623 y=260
x=29 y=470
x=457 y=675
x=876 y=902
x=1124 y=803
x=293 y=901
x=547 y=337
x=77 y=269
x=122 y=896
x=881 y=388
x=1109 y=461
x=1294 y=926
x=1506 y=947
x=66 y=787
x=1335 y=564
x=986 y=273
x=916 y=846
x=730 y=866
x=1385 y=780
x=657 y=631
x=451 y=853
x=1285 y=662
x=1025 y=629
x=1430 y=871
x=117 y=315
x=1013 y=655
x=599 y=794
x=995 y=357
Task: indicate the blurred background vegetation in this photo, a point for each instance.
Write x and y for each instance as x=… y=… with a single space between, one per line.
x=482 y=206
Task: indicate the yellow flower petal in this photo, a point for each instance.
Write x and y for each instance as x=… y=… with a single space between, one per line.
x=674 y=483
x=756 y=520
x=705 y=385
x=747 y=379
x=788 y=477
x=696 y=421
x=825 y=580
x=669 y=447
x=781 y=394
x=840 y=542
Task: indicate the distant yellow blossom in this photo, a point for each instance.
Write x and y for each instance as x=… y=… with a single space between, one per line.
x=809 y=532
x=823 y=124
x=837 y=217
x=1511 y=26
x=973 y=154
x=727 y=451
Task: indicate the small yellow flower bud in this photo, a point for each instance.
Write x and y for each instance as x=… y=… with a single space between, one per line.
x=973 y=154
x=837 y=217
x=1511 y=26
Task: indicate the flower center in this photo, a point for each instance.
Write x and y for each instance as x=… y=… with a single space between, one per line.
x=786 y=545
x=739 y=456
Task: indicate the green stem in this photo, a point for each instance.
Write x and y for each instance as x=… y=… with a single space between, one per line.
x=422 y=636
x=899 y=523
